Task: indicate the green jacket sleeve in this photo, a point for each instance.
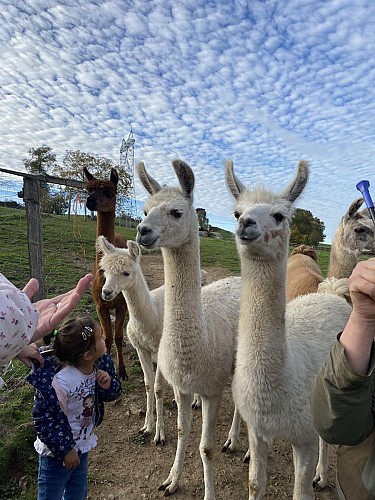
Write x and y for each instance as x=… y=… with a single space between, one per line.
x=342 y=401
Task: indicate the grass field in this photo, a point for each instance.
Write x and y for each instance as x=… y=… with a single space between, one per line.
x=68 y=250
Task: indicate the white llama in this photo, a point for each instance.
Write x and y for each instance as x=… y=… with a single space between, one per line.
x=197 y=347
x=354 y=236
x=280 y=346
x=123 y=273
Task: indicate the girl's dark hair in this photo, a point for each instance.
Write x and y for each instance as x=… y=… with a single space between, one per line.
x=74 y=337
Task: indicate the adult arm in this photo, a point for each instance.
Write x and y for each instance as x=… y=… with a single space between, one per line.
x=342 y=393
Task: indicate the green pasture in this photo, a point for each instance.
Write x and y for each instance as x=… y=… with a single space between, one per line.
x=68 y=249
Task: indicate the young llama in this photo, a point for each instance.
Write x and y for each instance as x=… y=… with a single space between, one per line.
x=197 y=347
x=102 y=199
x=123 y=274
x=354 y=236
x=280 y=346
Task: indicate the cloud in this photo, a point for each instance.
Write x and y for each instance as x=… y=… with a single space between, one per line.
x=264 y=83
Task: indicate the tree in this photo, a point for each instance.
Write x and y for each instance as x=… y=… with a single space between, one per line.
x=41 y=161
x=305 y=228
x=98 y=166
x=202 y=219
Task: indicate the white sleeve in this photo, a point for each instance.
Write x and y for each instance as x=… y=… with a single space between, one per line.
x=18 y=320
x=61 y=394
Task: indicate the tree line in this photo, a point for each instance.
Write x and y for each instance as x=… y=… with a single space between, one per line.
x=305 y=228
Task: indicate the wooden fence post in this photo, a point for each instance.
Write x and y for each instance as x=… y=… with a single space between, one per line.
x=31 y=193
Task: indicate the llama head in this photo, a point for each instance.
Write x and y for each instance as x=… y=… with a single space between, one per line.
x=101 y=193
x=263 y=216
x=356 y=230
x=120 y=266
x=169 y=214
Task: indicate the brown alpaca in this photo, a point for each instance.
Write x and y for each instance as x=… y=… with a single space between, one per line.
x=303 y=272
x=102 y=199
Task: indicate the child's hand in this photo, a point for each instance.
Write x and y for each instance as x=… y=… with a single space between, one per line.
x=103 y=379
x=71 y=459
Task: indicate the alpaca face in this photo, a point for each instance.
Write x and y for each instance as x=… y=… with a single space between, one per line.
x=262 y=216
x=358 y=230
x=262 y=229
x=169 y=219
x=119 y=272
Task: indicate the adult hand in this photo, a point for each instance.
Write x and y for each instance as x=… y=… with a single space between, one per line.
x=28 y=353
x=362 y=290
x=53 y=311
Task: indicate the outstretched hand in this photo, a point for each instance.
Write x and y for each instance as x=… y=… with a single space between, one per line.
x=53 y=311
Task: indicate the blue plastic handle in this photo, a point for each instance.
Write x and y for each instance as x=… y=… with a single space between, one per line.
x=363 y=186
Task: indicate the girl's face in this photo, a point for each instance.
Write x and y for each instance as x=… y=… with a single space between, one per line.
x=100 y=347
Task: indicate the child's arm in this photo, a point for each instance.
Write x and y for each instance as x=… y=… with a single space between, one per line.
x=50 y=422
x=105 y=364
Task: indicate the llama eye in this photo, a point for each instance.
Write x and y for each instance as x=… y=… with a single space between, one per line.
x=107 y=193
x=176 y=214
x=125 y=273
x=145 y=214
x=278 y=217
x=237 y=215
x=359 y=230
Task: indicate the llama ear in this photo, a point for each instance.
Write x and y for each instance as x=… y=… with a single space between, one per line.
x=87 y=174
x=354 y=207
x=134 y=250
x=103 y=245
x=185 y=176
x=150 y=184
x=234 y=185
x=114 y=176
x=295 y=188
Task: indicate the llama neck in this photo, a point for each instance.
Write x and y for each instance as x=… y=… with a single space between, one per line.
x=139 y=302
x=262 y=329
x=105 y=226
x=341 y=261
x=183 y=311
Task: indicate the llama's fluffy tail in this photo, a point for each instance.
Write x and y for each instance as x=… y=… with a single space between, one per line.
x=337 y=286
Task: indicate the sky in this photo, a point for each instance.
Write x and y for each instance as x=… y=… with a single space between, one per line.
x=264 y=83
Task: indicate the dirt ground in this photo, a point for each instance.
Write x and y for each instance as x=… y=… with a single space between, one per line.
x=127 y=465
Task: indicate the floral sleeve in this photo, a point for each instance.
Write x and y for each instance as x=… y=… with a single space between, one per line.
x=18 y=320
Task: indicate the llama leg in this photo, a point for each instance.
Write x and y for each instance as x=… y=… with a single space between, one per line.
x=304 y=458
x=234 y=431
x=159 y=395
x=197 y=402
x=210 y=411
x=258 y=466
x=183 y=430
x=321 y=472
x=119 y=338
x=149 y=381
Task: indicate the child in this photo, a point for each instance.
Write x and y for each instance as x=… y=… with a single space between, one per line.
x=70 y=391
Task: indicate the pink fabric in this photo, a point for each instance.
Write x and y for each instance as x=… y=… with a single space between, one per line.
x=18 y=320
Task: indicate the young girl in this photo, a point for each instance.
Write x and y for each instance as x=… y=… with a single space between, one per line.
x=70 y=391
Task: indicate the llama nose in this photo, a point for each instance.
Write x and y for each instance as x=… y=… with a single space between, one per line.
x=143 y=229
x=106 y=293
x=247 y=221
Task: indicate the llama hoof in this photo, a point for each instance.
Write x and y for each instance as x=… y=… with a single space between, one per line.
x=159 y=441
x=319 y=484
x=124 y=375
x=227 y=447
